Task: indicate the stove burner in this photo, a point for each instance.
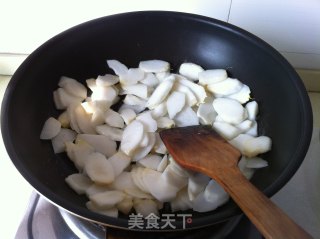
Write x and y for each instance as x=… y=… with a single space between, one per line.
x=44 y=220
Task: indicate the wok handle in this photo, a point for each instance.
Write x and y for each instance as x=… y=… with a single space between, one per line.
x=270 y=220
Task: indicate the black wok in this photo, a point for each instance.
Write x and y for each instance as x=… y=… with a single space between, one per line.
x=81 y=52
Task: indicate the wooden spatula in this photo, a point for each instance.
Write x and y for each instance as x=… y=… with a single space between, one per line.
x=201 y=149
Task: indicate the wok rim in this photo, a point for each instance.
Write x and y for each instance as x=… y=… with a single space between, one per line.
x=291 y=168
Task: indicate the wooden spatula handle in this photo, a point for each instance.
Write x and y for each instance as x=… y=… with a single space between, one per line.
x=270 y=220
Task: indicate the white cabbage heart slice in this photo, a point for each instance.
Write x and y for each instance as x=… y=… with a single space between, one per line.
x=145 y=207
x=78 y=182
x=111 y=132
x=150 y=80
x=213 y=76
x=140 y=90
x=198 y=90
x=175 y=102
x=259 y=145
x=160 y=93
x=256 y=162
x=62 y=99
x=191 y=99
x=106 y=200
x=182 y=201
x=131 y=137
x=190 y=70
x=128 y=115
x=99 y=169
x=151 y=161
x=50 y=129
x=150 y=125
x=118 y=68
x=73 y=87
x=123 y=181
x=120 y=161
x=59 y=141
x=231 y=111
x=186 y=117
x=206 y=113
x=132 y=76
x=154 y=66
x=226 y=130
x=252 y=109
x=107 y=80
x=114 y=119
x=100 y=143
x=243 y=95
x=196 y=184
x=125 y=205
x=225 y=87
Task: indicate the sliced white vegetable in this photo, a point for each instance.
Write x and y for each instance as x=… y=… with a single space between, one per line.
x=175 y=102
x=72 y=117
x=150 y=80
x=160 y=93
x=110 y=212
x=63 y=99
x=173 y=178
x=243 y=95
x=100 y=143
x=78 y=182
x=191 y=99
x=182 y=201
x=97 y=188
x=118 y=68
x=125 y=205
x=186 y=117
x=119 y=161
x=256 y=162
x=253 y=147
x=50 y=129
x=73 y=87
x=151 y=161
x=206 y=113
x=159 y=146
x=252 y=109
x=253 y=130
x=163 y=163
x=140 y=90
x=128 y=115
x=244 y=125
x=145 y=207
x=131 y=137
x=134 y=100
x=190 y=70
x=114 y=119
x=165 y=123
x=113 y=133
x=247 y=172
x=99 y=169
x=107 y=199
x=84 y=120
x=141 y=152
x=159 y=111
x=136 y=108
x=58 y=142
x=209 y=77
x=159 y=187
x=213 y=197
x=231 y=111
x=137 y=193
x=78 y=153
x=226 y=87
x=150 y=125
x=107 y=80
x=98 y=117
x=132 y=76
x=123 y=181
x=198 y=90
x=238 y=142
x=107 y=93
x=196 y=184
x=226 y=130
x=161 y=76
x=91 y=84
x=154 y=66
x=64 y=119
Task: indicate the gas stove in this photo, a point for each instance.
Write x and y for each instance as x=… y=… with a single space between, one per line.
x=45 y=220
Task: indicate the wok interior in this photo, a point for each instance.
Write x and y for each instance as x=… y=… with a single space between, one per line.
x=81 y=53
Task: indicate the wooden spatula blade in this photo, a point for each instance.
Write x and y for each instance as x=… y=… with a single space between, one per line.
x=200 y=148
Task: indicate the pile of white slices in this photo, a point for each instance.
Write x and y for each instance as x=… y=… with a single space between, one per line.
x=122 y=162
